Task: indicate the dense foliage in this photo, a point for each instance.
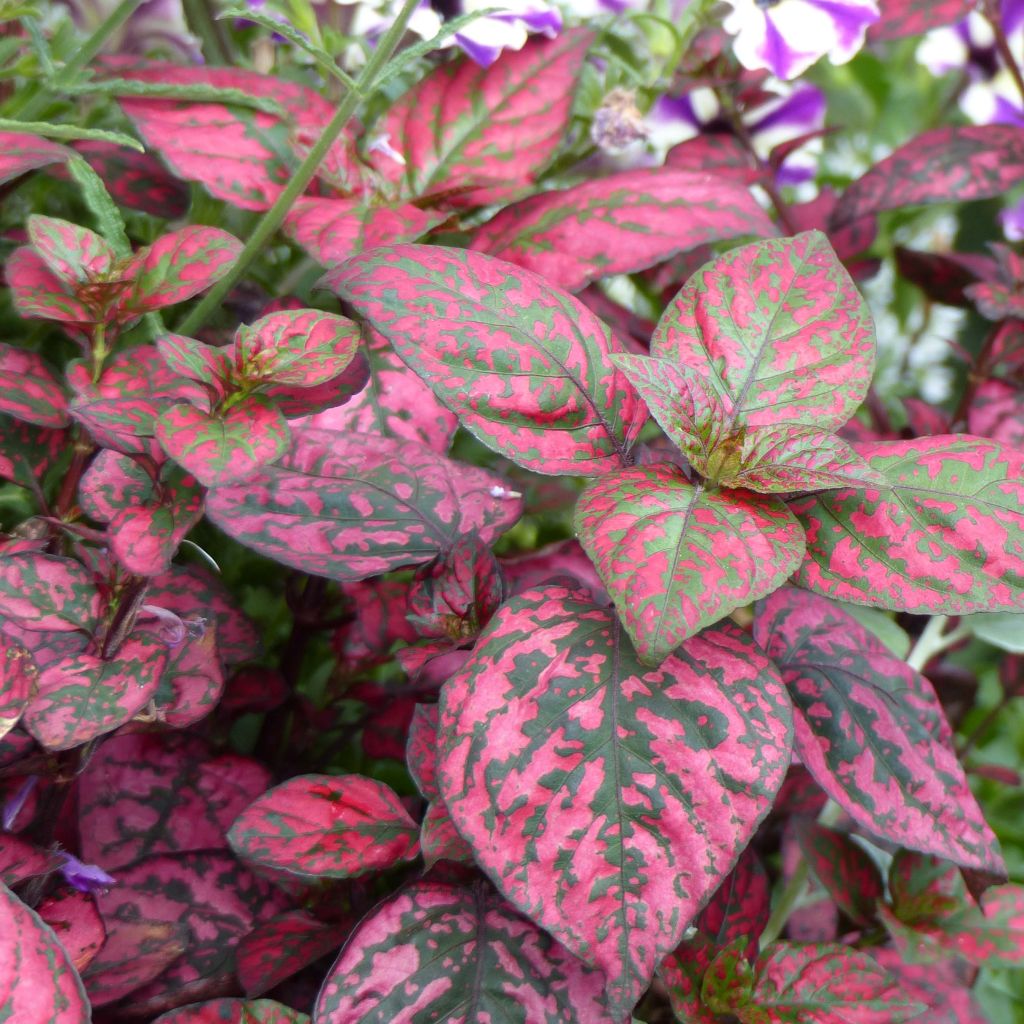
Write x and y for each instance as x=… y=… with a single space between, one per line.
x=525 y=524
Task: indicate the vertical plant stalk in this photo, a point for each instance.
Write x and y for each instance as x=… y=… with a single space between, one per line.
x=214 y=43
x=934 y=640
x=992 y=13
x=274 y=217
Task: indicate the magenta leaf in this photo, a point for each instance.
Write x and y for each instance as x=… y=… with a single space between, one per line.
x=193 y=682
x=149 y=793
x=676 y=557
x=349 y=507
x=591 y=788
x=18 y=680
x=38 y=294
x=178 y=266
x=728 y=981
x=846 y=871
x=221 y=448
x=47 y=593
x=778 y=330
x=20 y=860
x=619 y=224
x=76 y=922
x=196 y=360
x=824 y=983
x=26 y=451
x=478 y=135
x=525 y=366
x=37 y=979
x=940 y=986
x=83 y=696
x=295 y=347
x=296 y=402
x=234 y=1011
x=135 y=952
x=952 y=164
x=913 y=17
x=111 y=483
x=332 y=230
x=322 y=826
x=212 y=896
x=281 y=947
x=457 y=953
x=870 y=730
x=29 y=390
x=945 y=535
x=997 y=412
x=74 y=254
x=440 y=839
x=421 y=750
x=21 y=153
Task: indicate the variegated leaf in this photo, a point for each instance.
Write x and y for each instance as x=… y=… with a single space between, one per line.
x=526 y=366
x=322 y=826
x=29 y=390
x=457 y=954
x=295 y=347
x=942 y=987
x=945 y=535
x=196 y=360
x=778 y=330
x=349 y=507
x=38 y=294
x=676 y=557
x=18 y=680
x=864 y=729
x=76 y=922
x=224 y=447
x=137 y=950
x=851 y=877
x=137 y=180
x=48 y=593
x=75 y=254
x=913 y=17
x=38 y=984
x=592 y=789
x=20 y=153
x=475 y=135
x=283 y=946
x=27 y=452
x=234 y=1011
x=83 y=696
x=952 y=164
x=619 y=224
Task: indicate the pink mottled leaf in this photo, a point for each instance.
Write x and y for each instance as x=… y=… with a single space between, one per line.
x=323 y=826
x=945 y=535
x=728 y=981
x=135 y=952
x=212 y=896
x=83 y=696
x=863 y=720
x=75 y=254
x=18 y=680
x=281 y=947
x=21 y=153
x=997 y=412
x=440 y=839
x=193 y=681
x=29 y=390
x=676 y=557
x=475 y=135
x=26 y=451
x=421 y=750
x=149 y=793
x=715 y=153
x=619 y=224
x=913 y=17
x=178 y=266
x=348 y=507
x=20 y=860
x=196 y=360
x=525 y=366
x=946 y=995
x=497 y=965
x=332 y=230
x=38 y=984
x=47 y=593
x=952 y=164
x=38 y=294
x=76 y=922
x=843 y=868
x=591 y=788
x=295 y=347
x=234 y=1011
x=221 y=448
x=377 y=608
x=826 y=984
x=297 y=402
x=778 y=330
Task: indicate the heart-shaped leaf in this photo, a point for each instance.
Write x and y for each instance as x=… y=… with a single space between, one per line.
x=872 y=732
x=525 y=366
x=323 y=826
x=945 y=535
x=220 y=448
x=47 y=593
x=234 y=1011
x=619 y=224
x=295 y=347
x=82 y=697
x=37 y=980
x=476 y=135
x=952 y=164
x=20 y=153
x=148 y=793
x=676 y=557
x=135 y=952
x=592 y=789
x=281 y=947
x=457 y=953
x=75 y=254
x=778 y=330
x=349 y=507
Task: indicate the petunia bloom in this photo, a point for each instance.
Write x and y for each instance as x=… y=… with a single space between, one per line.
x=786 y=37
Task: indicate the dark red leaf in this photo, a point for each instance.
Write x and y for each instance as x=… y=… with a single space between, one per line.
x=281 y=947
x=19 y=677
x=137 y=180
x=21 y=153
x=76 y=922
x=843 y=868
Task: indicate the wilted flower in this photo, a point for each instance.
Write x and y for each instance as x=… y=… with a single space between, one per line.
x=84 y=877
x=618 y=122
x=154 y=26
x=796 y=110
x=787 y=36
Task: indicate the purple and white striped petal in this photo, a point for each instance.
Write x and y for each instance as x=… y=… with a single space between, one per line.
x=508 y=29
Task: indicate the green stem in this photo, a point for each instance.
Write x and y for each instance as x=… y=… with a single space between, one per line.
x=934 y=640
x=197 y=14
x=274 y=217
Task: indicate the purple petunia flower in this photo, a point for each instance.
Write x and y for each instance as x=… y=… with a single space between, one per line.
x=786 y=37
x=508 y=29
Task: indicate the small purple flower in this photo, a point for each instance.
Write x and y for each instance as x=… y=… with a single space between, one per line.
x=786 y=37
x=84 y=877
x=1012 y=220
x=14 y=804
